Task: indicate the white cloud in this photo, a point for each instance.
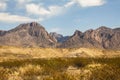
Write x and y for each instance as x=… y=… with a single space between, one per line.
x=47 y=12
x=41 y=11
x=89 y=3
x=55 y=10
x=69 y=4
x=6 y=17
x=36 y=9
x=3 y=5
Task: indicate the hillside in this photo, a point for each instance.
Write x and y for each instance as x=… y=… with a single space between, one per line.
x=34 y=35
x=27 y=35
x=102 y=37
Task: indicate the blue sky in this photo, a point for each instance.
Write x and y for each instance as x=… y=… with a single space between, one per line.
x=61 y=16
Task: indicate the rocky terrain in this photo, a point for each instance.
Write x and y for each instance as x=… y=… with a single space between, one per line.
x=27 y=35
x=34 y=35
x=102 y=37
x=29 y=52
x=60 y=38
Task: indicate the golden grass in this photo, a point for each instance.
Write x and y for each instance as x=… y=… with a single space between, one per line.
x=17 y=63
x=8 y=52
x=61 y=69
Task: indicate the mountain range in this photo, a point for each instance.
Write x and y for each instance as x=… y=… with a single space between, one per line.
x=34 y=35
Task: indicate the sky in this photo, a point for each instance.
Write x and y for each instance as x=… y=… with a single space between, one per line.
x=61 y=16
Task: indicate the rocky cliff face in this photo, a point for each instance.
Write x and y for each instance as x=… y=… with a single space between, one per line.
x=28 y=35
x=60 y=38
x=35 y=35
x=102 y=37
x=75 y=41
x=2 y=32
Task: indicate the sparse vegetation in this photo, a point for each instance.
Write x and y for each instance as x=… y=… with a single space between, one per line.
x=59 y=69
x=17 y=63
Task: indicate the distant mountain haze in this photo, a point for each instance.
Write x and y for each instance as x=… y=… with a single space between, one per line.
x=34 y=35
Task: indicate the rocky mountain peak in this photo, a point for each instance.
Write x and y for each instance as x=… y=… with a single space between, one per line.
x=34 y=24
x=28 y=26
x=2 y=32
x=27 y=34
x=102 y=37
x=34 y=34
x=77 y=32
x=117 y=29
x=103 y=28
x=56 y=35
x=59 y=37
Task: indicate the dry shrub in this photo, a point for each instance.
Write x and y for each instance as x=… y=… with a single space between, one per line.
x=30 y=70
x=4 y=73
x=108 y=72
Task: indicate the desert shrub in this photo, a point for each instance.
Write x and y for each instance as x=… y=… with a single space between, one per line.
x=55 y=63
x=109 y=61
x=4 y=73
x=79 y=62
x=60 y=76
x=12 y=63
x=106 y=73
x=30 y=70
x=54 y=68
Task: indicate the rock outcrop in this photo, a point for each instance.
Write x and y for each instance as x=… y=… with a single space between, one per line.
x=27 y=35
x=35 y=35
x=60 y=38
x=102 y=37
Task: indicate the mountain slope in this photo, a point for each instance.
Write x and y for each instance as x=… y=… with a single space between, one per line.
x=34 y=35
x=75 y=41
x=2 y=32
x=102 y=37
x=60 y=38
x=29 y=34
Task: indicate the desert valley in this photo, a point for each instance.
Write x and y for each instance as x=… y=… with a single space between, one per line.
x=29 y=52
x=59 y=39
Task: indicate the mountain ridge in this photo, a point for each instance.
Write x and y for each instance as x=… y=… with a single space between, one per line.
x=28 y=34
x=34 y=35
x=60 y=38
x=101 y=37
